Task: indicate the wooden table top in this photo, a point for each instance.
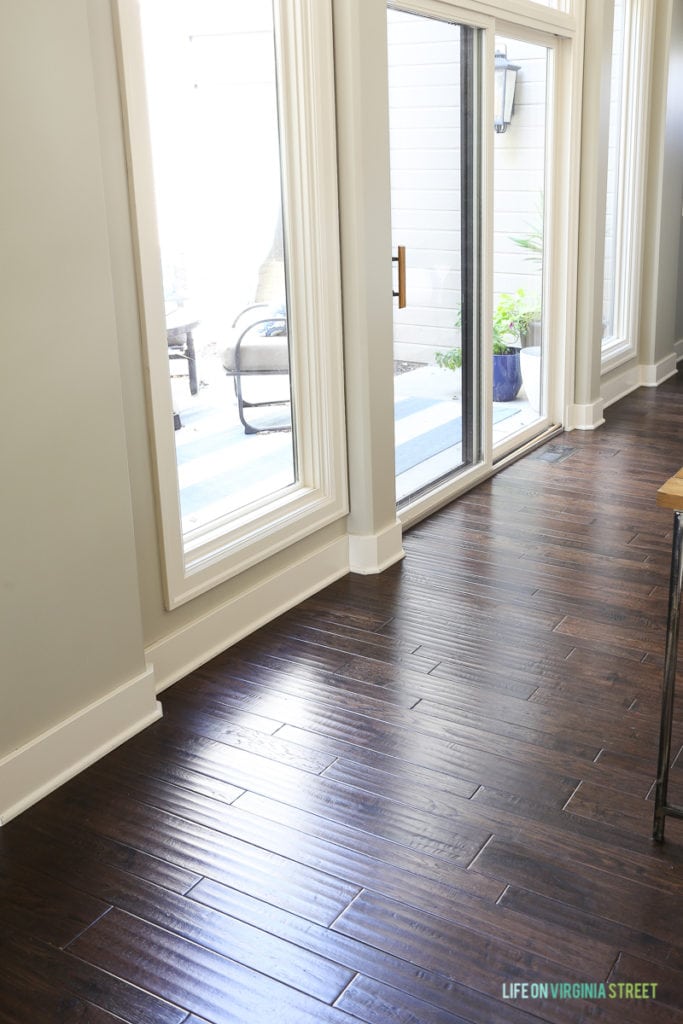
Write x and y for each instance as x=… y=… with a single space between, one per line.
x=670 y=494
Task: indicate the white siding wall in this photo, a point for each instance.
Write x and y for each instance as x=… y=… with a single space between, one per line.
x=424 y=99
x=424 y=103
x=519 y=167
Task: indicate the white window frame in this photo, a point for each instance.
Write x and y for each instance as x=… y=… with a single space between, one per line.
x=226 y=547
x=622 y=345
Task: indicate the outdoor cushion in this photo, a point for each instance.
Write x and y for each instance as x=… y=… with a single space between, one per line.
x=258 y=353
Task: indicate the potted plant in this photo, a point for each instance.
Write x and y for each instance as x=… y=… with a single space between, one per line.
x=511 y=318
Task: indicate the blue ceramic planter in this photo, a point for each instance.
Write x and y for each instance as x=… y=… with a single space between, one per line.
x=507 y=377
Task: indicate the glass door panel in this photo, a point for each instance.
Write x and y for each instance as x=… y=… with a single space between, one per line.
x=519 y=338
x=210 y=74
x=611 y=328
x=431 y=82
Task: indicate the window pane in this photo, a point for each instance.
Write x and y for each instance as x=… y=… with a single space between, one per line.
x=212 y=95
x=426 y=115
x=519 y=339
x=609 y=325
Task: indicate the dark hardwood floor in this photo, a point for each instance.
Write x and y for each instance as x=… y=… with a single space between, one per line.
x=400 y=799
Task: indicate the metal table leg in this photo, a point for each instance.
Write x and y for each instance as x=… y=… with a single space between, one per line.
x=669 y=685
x=191 y=361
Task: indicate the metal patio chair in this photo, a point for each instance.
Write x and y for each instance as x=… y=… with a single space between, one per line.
x=259 y=347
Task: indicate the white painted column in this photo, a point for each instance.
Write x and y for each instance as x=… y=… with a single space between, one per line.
x=364 y=184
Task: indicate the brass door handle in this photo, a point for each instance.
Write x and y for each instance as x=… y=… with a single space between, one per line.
x=401 y=260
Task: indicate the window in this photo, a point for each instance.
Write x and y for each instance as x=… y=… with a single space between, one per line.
x=230 y=111
x=627 y=156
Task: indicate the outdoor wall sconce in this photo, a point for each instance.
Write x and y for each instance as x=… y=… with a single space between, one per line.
x=504 y=91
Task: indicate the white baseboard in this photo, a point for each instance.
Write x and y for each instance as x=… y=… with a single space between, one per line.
x=653 y=375
x=377 y=551
x=620 y=385
x=54 y=757
x=644 y=375
x=186 y=649
x=585 y=417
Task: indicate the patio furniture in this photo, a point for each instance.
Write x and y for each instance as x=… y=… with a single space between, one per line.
x=259 y=347
x=179 y=329
x=669 y=495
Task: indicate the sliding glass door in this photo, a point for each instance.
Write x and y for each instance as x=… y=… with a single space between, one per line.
x=433 y=98
x=470 y=134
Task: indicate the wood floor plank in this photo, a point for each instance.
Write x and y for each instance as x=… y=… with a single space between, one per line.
x=404 y=726
x=478 y=912
x=458 y=952
x=43 y=1003
x=428 y=879
x=507 y=673
x=342 y=851
x=601 y=803
x=371 y=1001
x=320 y=685
x=246 y=944
x=513 y=815
x=382 y=725
x=377 y=1004
x=371 y=964
x=473 y=673
x=29 y=907
x=643 y=641
x=598 y=892
x=376 y=815
x=507 y=727
x=583 y=925
x=628 y=726
x=34 y=839
x=212 y=724
x=271 y=876
x=633 y=971
x=639 y=861
x=467 y=764
x=395 y=736
x=159 y=961
x=32 y=963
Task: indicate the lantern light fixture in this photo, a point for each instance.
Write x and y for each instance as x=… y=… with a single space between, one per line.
x=504 y=92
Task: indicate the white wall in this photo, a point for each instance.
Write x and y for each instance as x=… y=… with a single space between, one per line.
x=424 y=111
x=73 y=665
x=519 y=174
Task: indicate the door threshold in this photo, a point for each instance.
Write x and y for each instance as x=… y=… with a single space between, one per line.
x=420 y=507
x=527 y=447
